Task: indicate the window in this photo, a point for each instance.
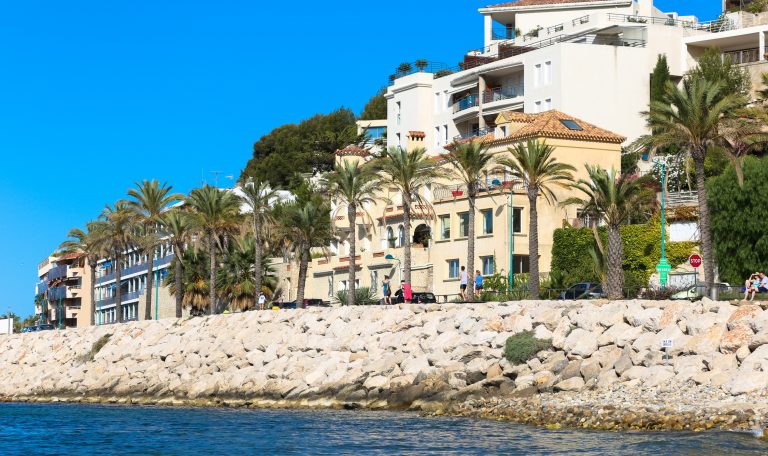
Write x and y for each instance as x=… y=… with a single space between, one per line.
x=374 y=279
x=437 y=136
x=343 y=285
x=391 y=237
x=463 y=224
x=487 y=262
x=375 y=133
x=400 y=236
x=446 y=100
x=330 y=286
x=571 y=125
x=453 y=269
x=397 y=111
x=537 y=75
x=445 y=133
x=547 y=73
x=438 y=103
x=520 y=264
x=547 y=104
x=503 y=129
x=537 y=108
x=517 y=220
x=445 y=227
x=487 y=221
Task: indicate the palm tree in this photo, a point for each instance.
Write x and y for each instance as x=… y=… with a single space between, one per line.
x=307 y=224
x=214 y=214
x=238 y=280
x=469 y=161
x=176 y=227
x=691 y=117
x=409 y=172
x=257 y=195
x=742 y=133
x=150 y=200
x=613 y=198
x=534 y=165
x=354 y=186
x=116 y=236
x=193 y=285
x=89 y=244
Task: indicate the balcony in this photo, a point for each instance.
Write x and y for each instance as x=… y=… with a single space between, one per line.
x=58 y=272
x=468 y=102
x=41 y=287
x=125 y=297
x=493 y=183
x=478 y=133
x=136 y=268
x=743 y=56
x=503 y=93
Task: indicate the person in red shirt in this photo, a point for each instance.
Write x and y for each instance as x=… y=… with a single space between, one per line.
x=407 y=292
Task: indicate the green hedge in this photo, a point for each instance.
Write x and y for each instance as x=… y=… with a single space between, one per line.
x=642 y=251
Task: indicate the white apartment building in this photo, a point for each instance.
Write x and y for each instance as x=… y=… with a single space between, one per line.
x=589 y=58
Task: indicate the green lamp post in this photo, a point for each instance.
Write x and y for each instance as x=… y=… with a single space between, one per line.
x=663 y=267
x=399 y=265
x=511 y=279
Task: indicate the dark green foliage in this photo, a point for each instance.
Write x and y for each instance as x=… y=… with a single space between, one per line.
x=714 y=68
x=98 y=345
x=642 y=250
x=739 y=221
x=629 y=161
x=659 y=78
x=523 y=347
x=659 y=294
x=364 y=296
x=376 y=108
x=308 y=147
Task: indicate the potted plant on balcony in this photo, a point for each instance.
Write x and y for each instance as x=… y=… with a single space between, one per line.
x=457 y=193
x=404 y=68
x=421 y=64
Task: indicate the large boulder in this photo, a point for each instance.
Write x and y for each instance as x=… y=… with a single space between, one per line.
x=747 y=382
x=744 y=315
x=581 y=342
x=647 y=318
x=570 y=384
x=619 y=334
x=740 y=335
x=705 y=342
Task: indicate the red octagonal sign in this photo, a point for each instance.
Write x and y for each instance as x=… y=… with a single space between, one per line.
x=695 y=260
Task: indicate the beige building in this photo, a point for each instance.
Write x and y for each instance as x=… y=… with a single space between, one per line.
x=63 y=290
x=439 y=235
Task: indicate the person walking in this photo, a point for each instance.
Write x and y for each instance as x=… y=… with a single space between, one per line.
x=478 y=283
x=387 y=291
x=463 y=282
x=407 y=292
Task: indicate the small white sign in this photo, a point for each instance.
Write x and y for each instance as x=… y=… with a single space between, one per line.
x=666 y=343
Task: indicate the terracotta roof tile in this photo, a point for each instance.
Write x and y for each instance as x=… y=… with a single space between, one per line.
x=548 y=125
x=352 y=150
x=542 y=2
x=416 y=134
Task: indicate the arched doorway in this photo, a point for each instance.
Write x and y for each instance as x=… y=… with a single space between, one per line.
x=422 y=235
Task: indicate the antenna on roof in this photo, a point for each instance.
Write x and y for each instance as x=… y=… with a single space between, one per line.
x=216 y=178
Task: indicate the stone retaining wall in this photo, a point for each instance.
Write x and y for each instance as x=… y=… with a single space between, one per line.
x=427 y=357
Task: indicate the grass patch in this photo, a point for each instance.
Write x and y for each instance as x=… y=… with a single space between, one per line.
x=524 y=346
x=98 y=345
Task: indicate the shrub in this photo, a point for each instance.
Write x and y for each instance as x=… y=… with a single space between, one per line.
x=98 y=345
x=659 y=294
x=364 y=296
x=523 y=347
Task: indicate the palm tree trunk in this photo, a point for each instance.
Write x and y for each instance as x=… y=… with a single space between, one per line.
x=93 y=290
x=257 y=259
x=150 y=282
x=212 y=285
x=615 y=270
x=472 y=200
x=704 y=231
x=303 y=264
x=533 y=243
x=179 y=284
x=118 y=290
x=407 y=246
x=352 y=217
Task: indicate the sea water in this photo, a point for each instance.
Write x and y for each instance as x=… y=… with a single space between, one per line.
x=66 y=429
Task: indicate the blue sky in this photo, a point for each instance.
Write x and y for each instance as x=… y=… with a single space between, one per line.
x=95 y=95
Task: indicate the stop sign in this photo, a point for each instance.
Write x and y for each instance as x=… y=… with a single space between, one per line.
x=695 y=260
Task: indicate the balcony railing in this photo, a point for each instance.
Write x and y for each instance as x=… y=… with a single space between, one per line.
x=743 y=56
x=487 y=185
x=473 y=134
x=125 y=297
x=57 y=272
x=42 y=287
x=503 y=93
x=682 y=199
x=466 y=103
x=140 y=267
x=719 y=25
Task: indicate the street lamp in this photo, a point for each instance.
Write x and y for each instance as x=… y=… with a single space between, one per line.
x=511 y=235
x=399 y=265
x=663 y=267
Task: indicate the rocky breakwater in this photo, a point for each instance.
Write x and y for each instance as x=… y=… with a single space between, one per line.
x=605 y=368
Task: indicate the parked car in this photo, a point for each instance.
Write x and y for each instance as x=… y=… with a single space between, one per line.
x=698 y=291
x=583 y=290
x=44 y=327
x=419 y=297
x=308 y=302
